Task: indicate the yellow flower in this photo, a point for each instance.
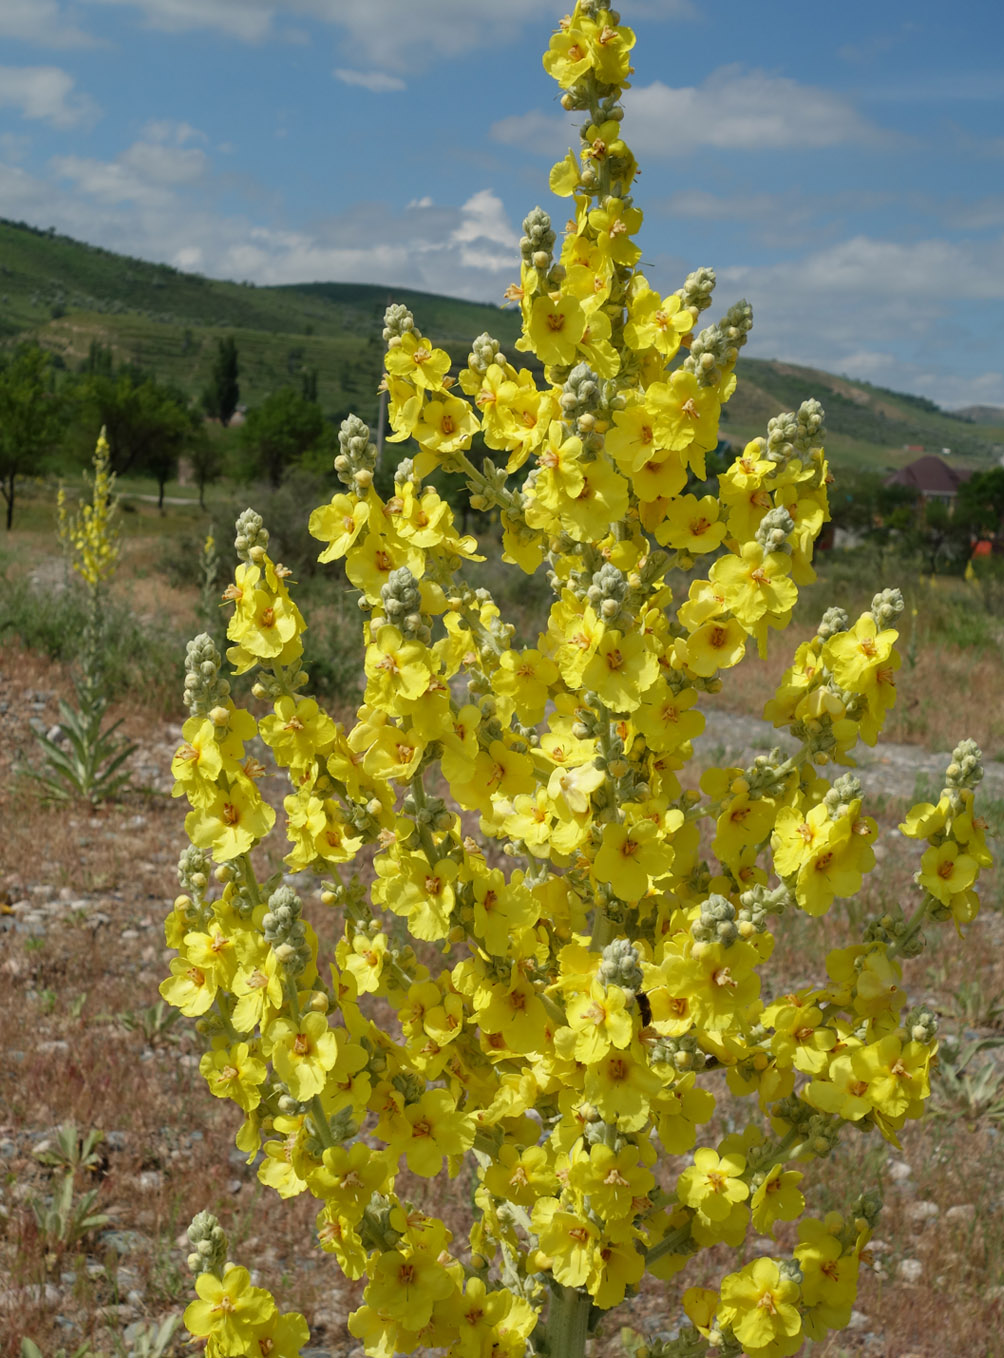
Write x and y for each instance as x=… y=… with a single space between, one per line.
x=231 y=821
x=656 y=322
x=338 y=524
x=231 y=1313
x=406 y=1284
x=555 y=328
x=233 y=1073
x=415 y=360
x=759 y=1305
x=622 y=667
x=302 y=1053
x=712 y=1184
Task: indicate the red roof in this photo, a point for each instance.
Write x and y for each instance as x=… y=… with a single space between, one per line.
x=930 y=476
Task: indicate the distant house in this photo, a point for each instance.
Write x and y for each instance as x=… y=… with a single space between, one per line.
x=930 y=478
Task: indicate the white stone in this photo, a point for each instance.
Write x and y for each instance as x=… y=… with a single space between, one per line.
x=920 y=1213
x=962 y=1211
x=910 y=1270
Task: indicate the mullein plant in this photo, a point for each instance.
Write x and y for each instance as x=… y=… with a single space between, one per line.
x=90 y=765
x=575 y=940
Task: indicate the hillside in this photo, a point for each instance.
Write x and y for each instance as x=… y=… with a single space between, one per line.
x=983 y=414
x=67 y=295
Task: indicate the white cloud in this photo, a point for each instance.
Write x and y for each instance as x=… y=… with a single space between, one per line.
x=167 y=130
x=484 y=235
x=889 y=312
x=145 y=173
x=165 y=164
x=14 y=146
x=733 y=110
x=377 y=82
x=391 y=34
x=538 y=133
x=42 y=22
x=923 y=274
x=249 y=20
x=736 y=109
x=45 y=93
x=142 y=203
x=979 y=215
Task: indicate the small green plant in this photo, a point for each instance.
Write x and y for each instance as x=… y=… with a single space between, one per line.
x=91 y=766
x=73 y=1150
x=155 y=1022
x=967 y=1092
x=152 y=1341
x=975 y=1008
x=29 y=1349
x=65 y=1217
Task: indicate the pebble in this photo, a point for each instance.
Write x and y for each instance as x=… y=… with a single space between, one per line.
x=961 y=1212
x=124 y=1242
x=24 y=1297
x=910 y=1270
x=920 y=1213
x=899 y=1171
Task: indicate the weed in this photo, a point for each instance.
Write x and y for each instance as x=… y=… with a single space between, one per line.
x=29 y=1349
x=962 y=1091
x=73 y=1150
x=63 y=1219
x=155 y=1023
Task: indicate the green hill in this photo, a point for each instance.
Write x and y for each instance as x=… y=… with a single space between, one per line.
x=67 y=295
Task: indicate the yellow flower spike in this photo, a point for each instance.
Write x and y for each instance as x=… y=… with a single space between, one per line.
x=564 y=938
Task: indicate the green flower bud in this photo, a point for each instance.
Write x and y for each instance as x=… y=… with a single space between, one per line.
x=774 y=530
x=845 y=789
x=538 y=237
x=966 y=768
x=717 y=922
x=484 y=352
x=620 y=966
x=834 y=620
x=205 y=687
x=397 y=321
x=697 y=289
x=886 y=607
x=715 y=350
x=251 y=535
x=209 y=1243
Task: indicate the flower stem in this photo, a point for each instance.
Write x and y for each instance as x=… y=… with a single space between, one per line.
x=568 y=1323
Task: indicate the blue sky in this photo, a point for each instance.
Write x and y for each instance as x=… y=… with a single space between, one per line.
x=841 y=165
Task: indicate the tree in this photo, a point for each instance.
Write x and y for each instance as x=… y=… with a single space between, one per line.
x=31 y=419
x=221 y=396
x=980 y=502
x=147 y=423
x=280 y=432
x=206 y=457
